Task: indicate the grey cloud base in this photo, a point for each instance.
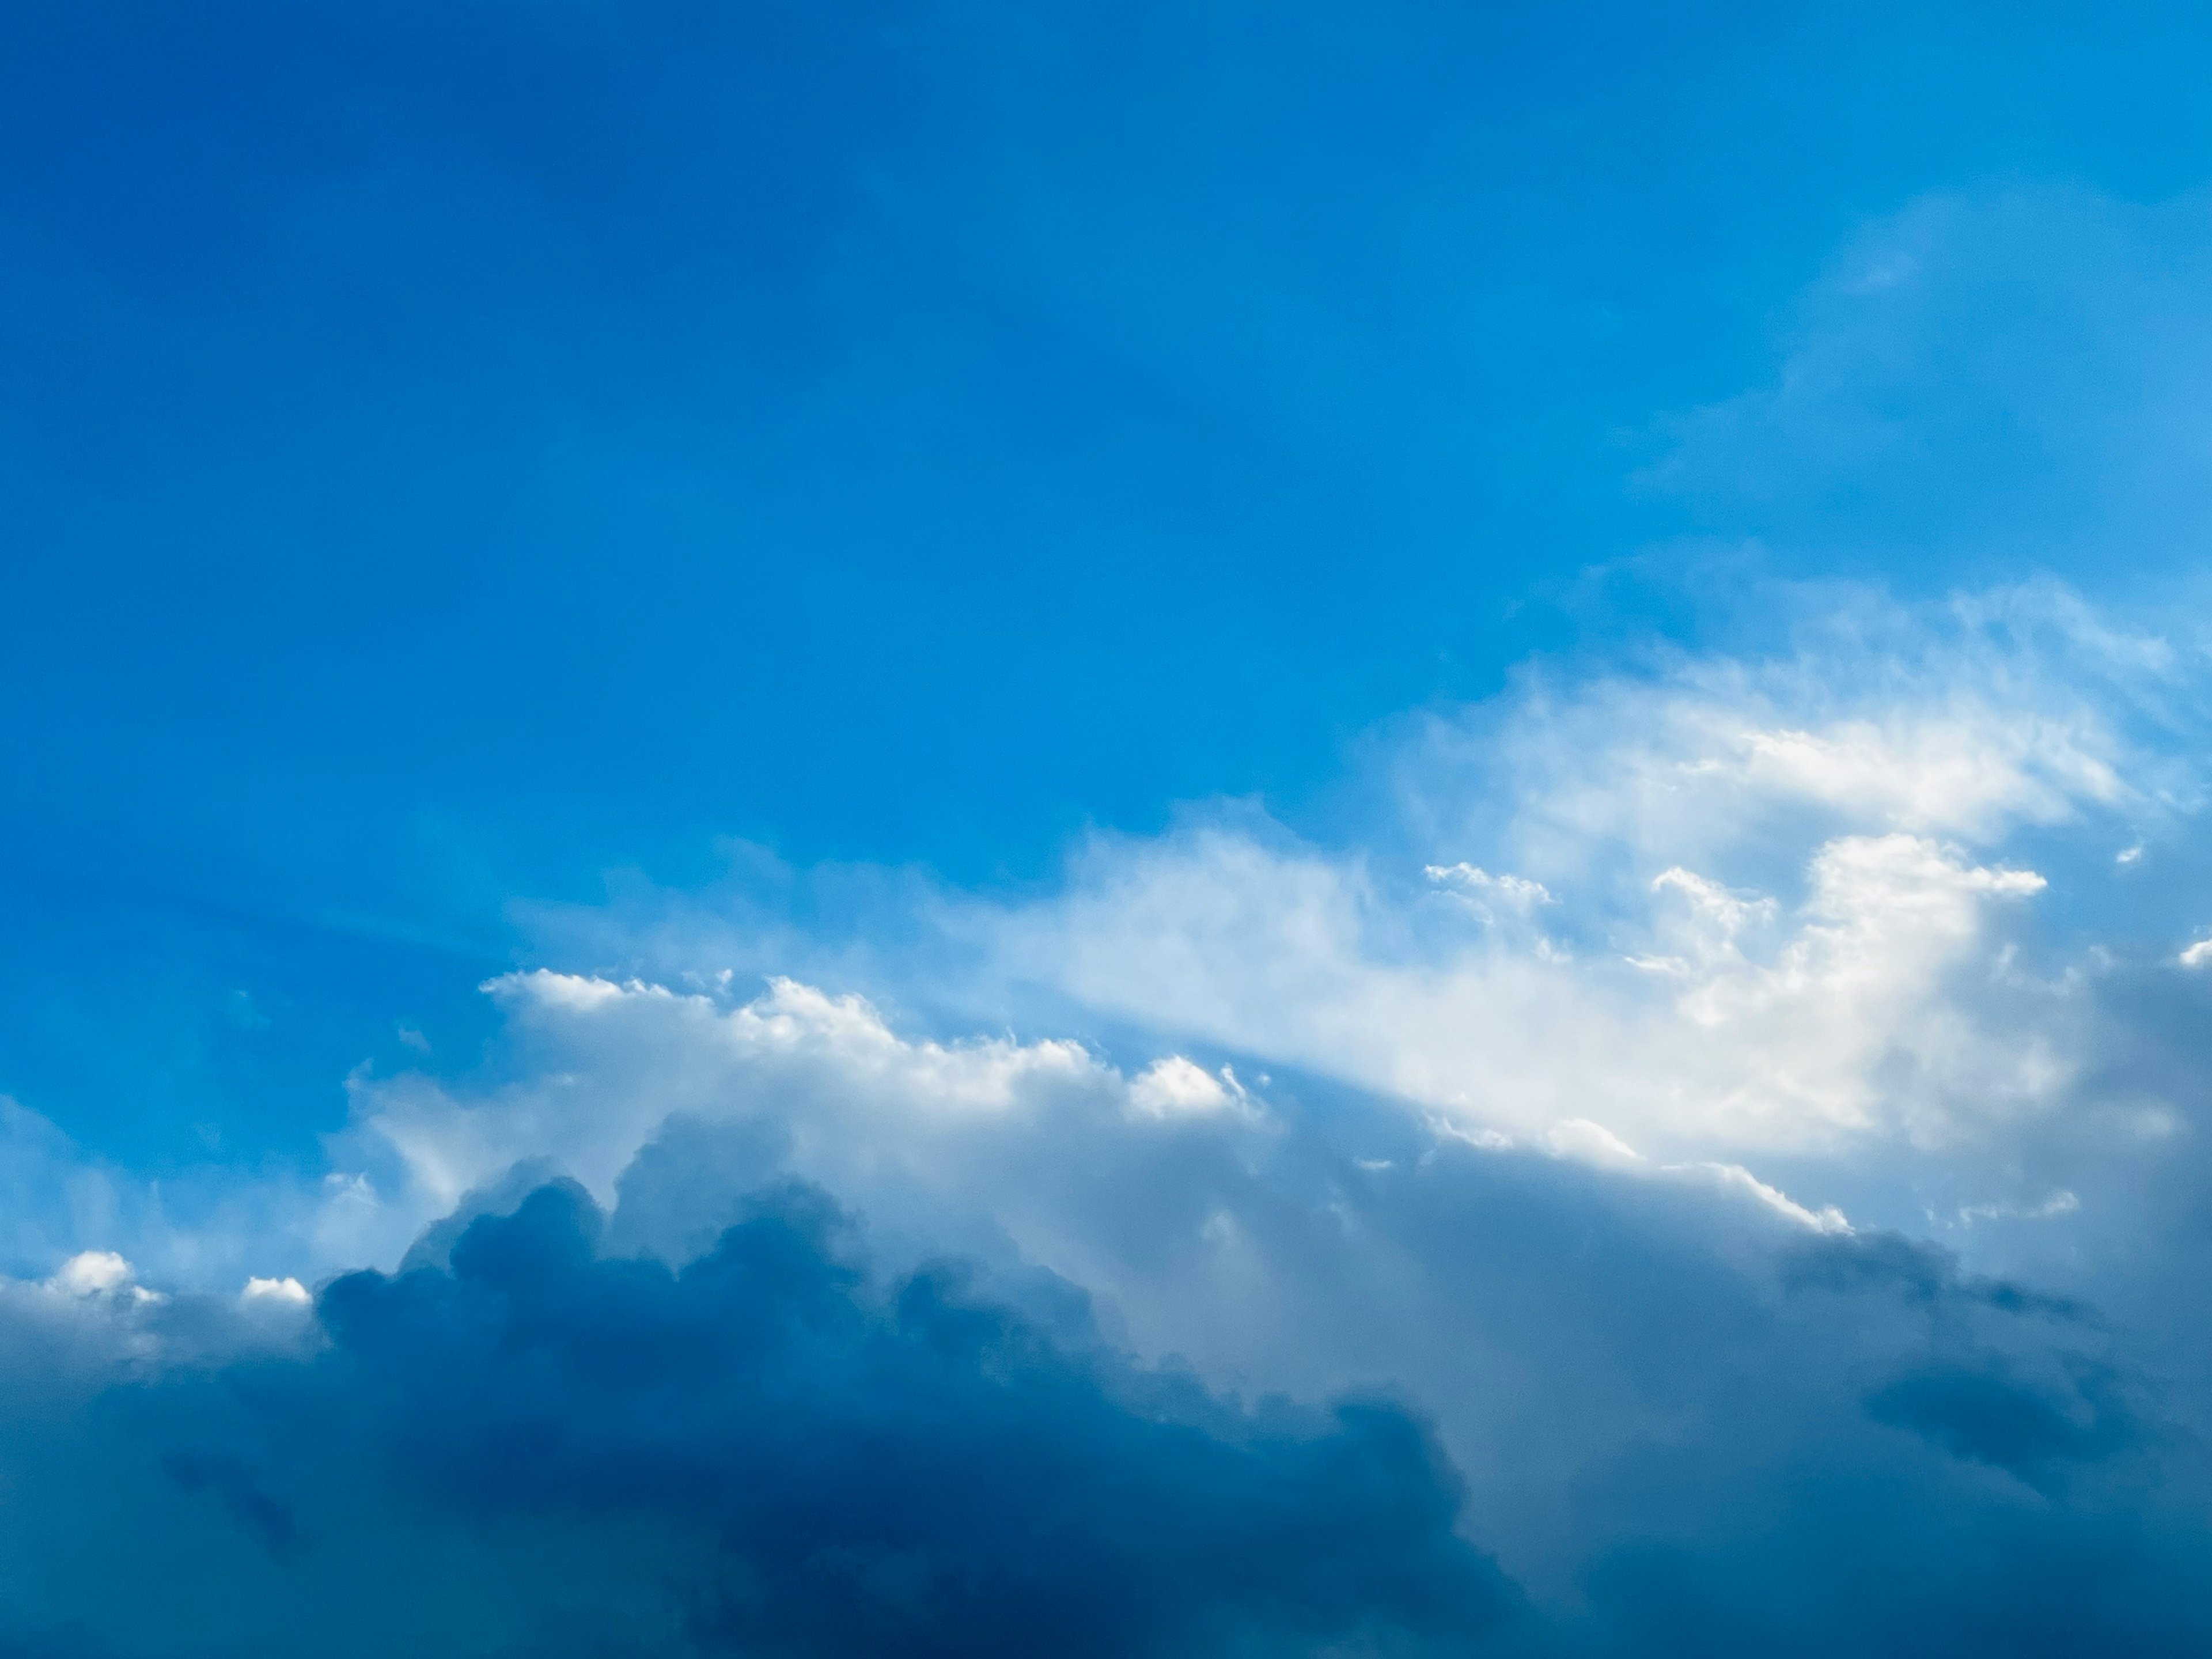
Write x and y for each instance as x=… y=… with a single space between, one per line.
x=832 y=1464
x=523 y=1442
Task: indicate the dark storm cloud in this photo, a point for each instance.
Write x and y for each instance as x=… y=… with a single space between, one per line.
x=1915 y=1273
x=529 y=1440
x=239 y=1487
x=864 y=1467
x=1980 y=1412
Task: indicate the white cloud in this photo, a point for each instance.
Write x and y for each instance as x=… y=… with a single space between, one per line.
x=287 y=1293
x=1174 y=1087
x=1592 y=1143
x=835 y=1094
x=1965 y=723
x=1736 y=1179
x=101 y=1275
x=1778 y=914
x=1759 y=1029
x=1481 y=889
x=92 y=1273
x=2059 y=1203
x=1759 y=915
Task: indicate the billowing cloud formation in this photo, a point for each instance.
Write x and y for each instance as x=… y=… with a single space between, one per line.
x=1727 y=908
x=532 y=1438
x=932 y=1476
x=1586 y=1105
x=768 y=1452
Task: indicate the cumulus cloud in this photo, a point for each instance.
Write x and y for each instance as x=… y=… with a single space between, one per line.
x=1758 y=909
x=540 y=1436
x=769 y=1449
x=93 y=1272
x=1174 y=1086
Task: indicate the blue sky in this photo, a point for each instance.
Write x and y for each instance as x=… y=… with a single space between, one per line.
x=1603 y=600
x=453 y=452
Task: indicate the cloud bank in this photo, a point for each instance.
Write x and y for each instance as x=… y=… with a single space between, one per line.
x=1698 y=1151
x=1710 y=1162
x=766 y=1450
x=721 y=1417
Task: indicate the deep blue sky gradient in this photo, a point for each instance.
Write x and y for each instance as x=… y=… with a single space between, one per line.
x=449 y=451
